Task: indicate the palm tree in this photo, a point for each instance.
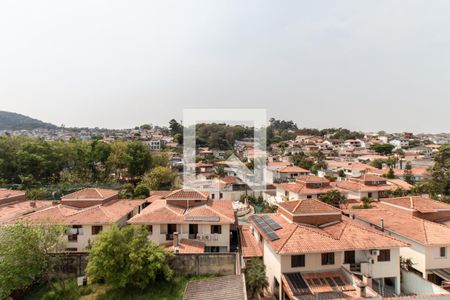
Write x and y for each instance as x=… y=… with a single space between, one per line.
x=255 y=277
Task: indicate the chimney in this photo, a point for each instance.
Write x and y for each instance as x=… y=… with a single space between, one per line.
x=362 y=289
x=176 y=244
x=382 y=224
x=32 y=203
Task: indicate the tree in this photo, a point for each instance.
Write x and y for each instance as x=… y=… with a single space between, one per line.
x=334 y=198
x=438 y=185
x=255 y=277
x=25 y=254
x=409 y=177
x=141 y=191
x=390 y=174
x=138 y=159
x=175 y=127
x=160 y=178
x=125 y=258
x=382 y=149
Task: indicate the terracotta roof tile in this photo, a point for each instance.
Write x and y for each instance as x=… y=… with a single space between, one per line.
x=231 y=287
x=183 y=194
x=249 y=245
x=418 y=203
x=91 y=194
x=15 y=210
x=307 y=206
x=340 y=236
x=422 y=231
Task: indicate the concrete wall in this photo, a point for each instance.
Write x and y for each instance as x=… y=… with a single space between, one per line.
x=413 y=283
x=205 y=263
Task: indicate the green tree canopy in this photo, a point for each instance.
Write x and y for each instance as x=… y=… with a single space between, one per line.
x=24 y=253
x=334 y=198
x=382 y=149
x=160 y=178
x=125 y=258
x=255 y=277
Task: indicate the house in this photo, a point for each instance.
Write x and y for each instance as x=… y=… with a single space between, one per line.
x=89 y=197
x=305 y=187
x=85 y=222
x=311 y=251
x=399 y=143
x=349 y=168
x=284 y=173
x=191 y=217
x=429 y=241
x=370 y=186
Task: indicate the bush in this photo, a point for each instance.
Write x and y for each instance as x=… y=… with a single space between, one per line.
x=65 y=290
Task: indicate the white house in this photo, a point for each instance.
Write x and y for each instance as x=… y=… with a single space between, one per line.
x=310 y=250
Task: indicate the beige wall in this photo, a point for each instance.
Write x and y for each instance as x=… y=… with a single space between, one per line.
x=223 y=240
x=84 y=239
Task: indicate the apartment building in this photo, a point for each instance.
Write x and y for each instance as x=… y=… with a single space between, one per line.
x=311 y=251
x=186 y=218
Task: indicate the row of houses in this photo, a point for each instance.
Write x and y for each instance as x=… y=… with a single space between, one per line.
x=311 y=250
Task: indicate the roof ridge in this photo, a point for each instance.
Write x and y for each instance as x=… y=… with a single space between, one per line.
x=98 y=192
x=425 y=232
x=288 y=238
x=371 y=230
x=298 y=204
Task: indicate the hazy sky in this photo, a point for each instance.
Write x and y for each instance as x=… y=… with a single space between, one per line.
x=369 y=65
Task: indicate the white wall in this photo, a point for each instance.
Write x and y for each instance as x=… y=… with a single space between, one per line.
x=413 y=283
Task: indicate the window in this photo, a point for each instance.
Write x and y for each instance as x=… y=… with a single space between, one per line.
x=369 y=195
x=440 y=252
x=328 y=258
x=349 y=257
x=212 y=196
x=220 y=195
x=216 y=229
x=286 y=193
x=297 y=261
x=150 y=229
x=96 y=229
x=72 y=237
x=309 y=197
x=443 y=252
x=385 y=255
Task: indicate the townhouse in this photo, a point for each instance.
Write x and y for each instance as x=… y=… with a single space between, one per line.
x=86 y=213
x=187 y=219
x=414 y=220
x=311 y=251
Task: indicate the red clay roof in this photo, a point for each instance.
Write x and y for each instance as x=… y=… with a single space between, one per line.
x=15 y=210
x=292 y=169
x=183 y=194
x=249 y=245
x=91 y=194
x=345 y=235
x=187 y=246
x=418 y=203
x=360 y=187
x=308 y=206
x=5 y=194
x=422 y=231
x=312 y=179
x=301 y=189
x=99 y=214
x=160 y=212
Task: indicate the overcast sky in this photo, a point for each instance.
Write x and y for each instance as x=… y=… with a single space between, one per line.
x=368 y=65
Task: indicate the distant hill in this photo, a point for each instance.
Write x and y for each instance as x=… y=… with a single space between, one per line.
x=13 y=121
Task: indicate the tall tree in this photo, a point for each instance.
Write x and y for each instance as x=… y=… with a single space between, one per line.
x=138 y=159
x=160 y=178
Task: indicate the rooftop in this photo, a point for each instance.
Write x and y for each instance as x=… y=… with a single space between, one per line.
x=421 y=204
x=338 y=236
x=231 y=287
x=308 y=206
x=91 y=194
x=250 y=247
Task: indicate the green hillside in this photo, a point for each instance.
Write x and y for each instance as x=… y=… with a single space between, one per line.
x=13 y=121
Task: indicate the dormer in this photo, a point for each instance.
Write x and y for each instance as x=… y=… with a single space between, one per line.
x=310 y=211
